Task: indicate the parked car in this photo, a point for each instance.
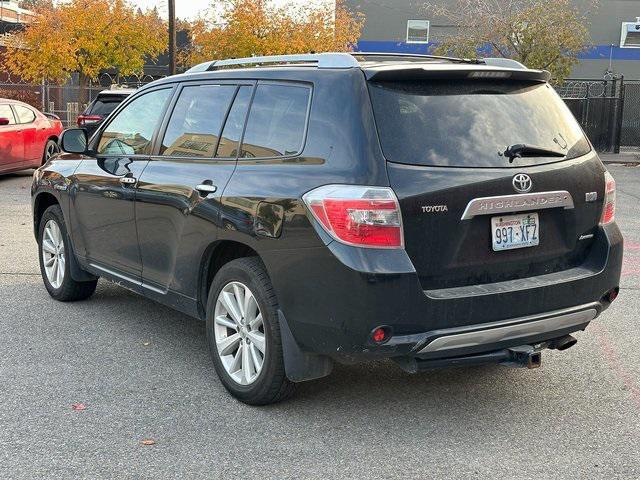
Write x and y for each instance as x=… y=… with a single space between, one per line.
x=101 y=106
x=337 y=207
x=28 y=138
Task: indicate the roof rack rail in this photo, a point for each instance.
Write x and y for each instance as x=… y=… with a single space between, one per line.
x=419 y=56
x=322 y=60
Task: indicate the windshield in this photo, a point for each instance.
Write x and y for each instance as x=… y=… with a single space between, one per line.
x=471 y=123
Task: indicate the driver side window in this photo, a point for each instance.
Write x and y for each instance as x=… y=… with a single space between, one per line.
x=131 y=131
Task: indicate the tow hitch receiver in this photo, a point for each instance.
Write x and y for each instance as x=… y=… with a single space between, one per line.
x=524 y=356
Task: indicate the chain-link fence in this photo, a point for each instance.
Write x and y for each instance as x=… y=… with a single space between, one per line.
x=69 y=100
x=608 y=110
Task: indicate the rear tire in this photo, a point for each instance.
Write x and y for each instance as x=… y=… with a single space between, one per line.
x=55 y=255
x=244 y=327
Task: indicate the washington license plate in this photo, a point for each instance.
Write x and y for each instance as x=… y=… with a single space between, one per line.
x=515 y=231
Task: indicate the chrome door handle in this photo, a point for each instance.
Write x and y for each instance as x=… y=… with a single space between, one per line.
x=206 y=189
x=128 y=180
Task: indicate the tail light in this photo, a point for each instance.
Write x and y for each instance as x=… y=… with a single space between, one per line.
x=88 y=119
x=357 y=215
x=609 y=207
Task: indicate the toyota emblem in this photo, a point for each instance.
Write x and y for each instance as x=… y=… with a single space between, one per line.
x=522 y=183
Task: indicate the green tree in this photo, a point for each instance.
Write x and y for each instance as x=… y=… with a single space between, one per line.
x=538 y=33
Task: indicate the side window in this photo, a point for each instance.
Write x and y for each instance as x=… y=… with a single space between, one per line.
x=276 y=121
x=131 y=131
x=228 y=147
x=6 y=112
x=196 y=121
x=25 y=115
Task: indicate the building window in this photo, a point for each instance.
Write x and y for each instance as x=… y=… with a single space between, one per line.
x=417 y=31
x=630 y=35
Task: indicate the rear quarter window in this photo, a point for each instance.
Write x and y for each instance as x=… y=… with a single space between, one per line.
x=277 y=121
x=469 y=123
x=25 y=115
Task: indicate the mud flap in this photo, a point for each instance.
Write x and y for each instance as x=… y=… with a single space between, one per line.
x=77 y=273
x=301 y=366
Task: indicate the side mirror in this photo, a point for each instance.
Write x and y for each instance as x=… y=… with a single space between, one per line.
x=4 y=121
x=74 y=140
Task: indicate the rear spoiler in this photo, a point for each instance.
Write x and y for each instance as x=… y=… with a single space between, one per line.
x=51 y=116
x=439 y=71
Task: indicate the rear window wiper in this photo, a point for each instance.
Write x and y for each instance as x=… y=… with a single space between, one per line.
x=523 y=150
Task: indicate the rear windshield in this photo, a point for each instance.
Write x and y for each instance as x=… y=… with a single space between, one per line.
x=470 y=123
x=104 y=105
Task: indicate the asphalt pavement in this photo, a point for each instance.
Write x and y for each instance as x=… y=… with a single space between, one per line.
x=143 y=375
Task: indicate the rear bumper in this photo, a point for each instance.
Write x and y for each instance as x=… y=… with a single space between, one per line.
x=517 y=331
x=352 y=292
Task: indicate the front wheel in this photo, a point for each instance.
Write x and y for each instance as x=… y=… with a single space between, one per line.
x=243 y=333
x=54 y=253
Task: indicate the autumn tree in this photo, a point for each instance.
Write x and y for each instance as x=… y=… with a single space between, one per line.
x=85 y=37
x=245 y=28
x=538 y=33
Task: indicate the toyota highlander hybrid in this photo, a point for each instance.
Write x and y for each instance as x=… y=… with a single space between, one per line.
x=341 y=207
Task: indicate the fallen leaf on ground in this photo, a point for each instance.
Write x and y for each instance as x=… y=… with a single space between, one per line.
x=148 y=441
x=78 y=406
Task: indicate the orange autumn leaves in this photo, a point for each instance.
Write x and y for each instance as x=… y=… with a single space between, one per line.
x=259 y=27
x=90 y=36
x=86 y=36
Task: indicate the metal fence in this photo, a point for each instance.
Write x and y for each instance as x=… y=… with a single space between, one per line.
x=69 y=100
x=630 y=135
x=608 y=110
x=599 y=106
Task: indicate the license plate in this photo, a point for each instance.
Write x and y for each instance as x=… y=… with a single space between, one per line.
x=515 y=231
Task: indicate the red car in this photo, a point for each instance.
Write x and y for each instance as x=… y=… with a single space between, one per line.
x=28 y=138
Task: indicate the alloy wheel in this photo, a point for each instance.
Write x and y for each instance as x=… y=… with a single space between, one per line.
x=53 y=254
x=52 y=149
x=239 y=333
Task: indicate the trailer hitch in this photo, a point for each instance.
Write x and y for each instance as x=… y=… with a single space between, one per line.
x=529 y=356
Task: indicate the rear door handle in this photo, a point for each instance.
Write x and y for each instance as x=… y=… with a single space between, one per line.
x=128 y=180
x=205 y=189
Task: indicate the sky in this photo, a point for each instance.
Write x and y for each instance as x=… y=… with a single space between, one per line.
x=184 y=8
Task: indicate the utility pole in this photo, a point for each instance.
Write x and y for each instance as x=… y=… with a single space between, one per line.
x=172 y=36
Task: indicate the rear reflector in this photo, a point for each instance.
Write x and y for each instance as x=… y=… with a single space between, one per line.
x=358 y=215
x=381 y=334
x=612 y=294
x=609 y=207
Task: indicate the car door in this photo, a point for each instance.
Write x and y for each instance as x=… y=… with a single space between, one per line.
x=11 y=143
x=178 y=197
x=26 y=120
x=103 y=191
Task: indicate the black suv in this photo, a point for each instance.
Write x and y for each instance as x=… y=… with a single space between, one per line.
x=101 y=106
x=338 y=207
